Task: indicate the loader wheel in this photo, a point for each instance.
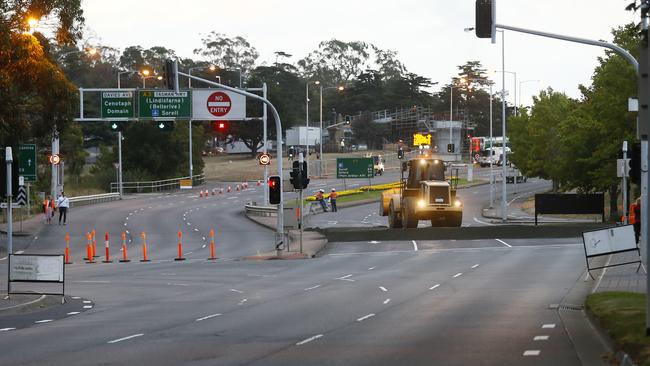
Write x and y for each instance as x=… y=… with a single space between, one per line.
x=408 y=213
x=394 y=221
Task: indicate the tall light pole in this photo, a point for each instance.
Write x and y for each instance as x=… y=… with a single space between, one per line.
x=320 y=159
x=119 y=76
x=307 y=118
x=504 y=198
x=189 y=72
x=451 y=109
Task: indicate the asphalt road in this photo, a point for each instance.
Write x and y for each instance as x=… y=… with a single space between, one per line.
x=389 y=303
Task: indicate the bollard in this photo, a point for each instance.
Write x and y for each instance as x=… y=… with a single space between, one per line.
x=95 y=255
x=108 y=256
x=212 y=257
x=238 y=188
x=214 y=191
x=144 y=247
x=125 y=257
x=89 y=239
x=180 y=247
x=200 y=193
x=67 y=248
x=229 y=189
x=89 y=250
x=259 y=183
x=221 y=191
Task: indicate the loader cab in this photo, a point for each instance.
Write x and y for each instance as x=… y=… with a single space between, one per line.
x=424 y=170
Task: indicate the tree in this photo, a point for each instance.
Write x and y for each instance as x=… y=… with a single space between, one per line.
x=228 y=53
x=336 y=61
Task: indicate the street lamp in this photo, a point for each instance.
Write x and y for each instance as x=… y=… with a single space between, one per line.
x=189 y=80
x=451 y=108
x=145 y=74
x=91 y=51
x=307 y=117
x=119 y=75
x=514 y=97
x=320 y=155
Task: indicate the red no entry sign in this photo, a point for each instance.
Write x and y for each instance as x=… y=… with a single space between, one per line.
x=219 y=104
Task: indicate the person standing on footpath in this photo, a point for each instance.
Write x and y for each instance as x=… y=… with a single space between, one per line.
x=64 y=203
x=333 y=196
x=321 y=199
x=48 y=209
x=636 y=220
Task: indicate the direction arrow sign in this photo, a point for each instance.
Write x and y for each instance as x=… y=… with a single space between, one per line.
x=164 y=104
x=27 y=165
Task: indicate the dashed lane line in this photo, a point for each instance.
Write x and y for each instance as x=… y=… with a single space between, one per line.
x=312 y=288
x=415 y=245
x=504 y=243
x=532 y=352
x=43 y=321
x=309 y=339
x=208 y=317
x=434 y=287
x=383 y=288
x=237 y=291
x=458 y=274
x=125 y=338
x=548 y=326
x=541 y=338
x=386 y=301
x=365 y=317
x=6 y=329
x=475 y=266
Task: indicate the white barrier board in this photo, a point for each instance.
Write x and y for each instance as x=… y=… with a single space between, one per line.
x=36 y=268
x=611 y=240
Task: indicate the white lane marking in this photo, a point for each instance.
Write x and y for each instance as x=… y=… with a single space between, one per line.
x=204 y=245
x=6 y=329
x=20 y=252
x=203 y=239
x=231 y=198
x=309 y=339
x=125 y=338
x=541 y=338
x=3 y=258
x=189 y=224
x=43 y=321
x=434 y=287
x=87 y=302
x=533 y=352
x=36 y=238
x=374 y=242
x=237 y=291
x=125 y=224
x=504 y=243
x=383 y=288
x=365 y=317
x=483 y=222
x=312 y=288
x=602 y=275
x=127 y=218
x=344 y=277
x=371 y=268
x=475 y=266
x=195 y=229
x=386 y=301
x=73 y=313
x=76 y=297
x=548 y=326
x=88 y=306
x=415 y=245
x=188 y=253
x=208 y=317
x=458 y=274
x=242 y=302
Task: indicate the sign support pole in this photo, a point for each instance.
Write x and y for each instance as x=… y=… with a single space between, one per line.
x=624 y=188
x=266 y=167
x=119 y=162
x=10 y=229
x=301 y=159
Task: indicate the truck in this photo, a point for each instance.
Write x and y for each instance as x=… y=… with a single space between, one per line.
x=424 y=194
x=492 y=154
x=378 y=163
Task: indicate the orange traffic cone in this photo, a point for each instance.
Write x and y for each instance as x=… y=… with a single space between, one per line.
x=144 y=247
x=67 y=248
x=212 y=257
x=125 y=257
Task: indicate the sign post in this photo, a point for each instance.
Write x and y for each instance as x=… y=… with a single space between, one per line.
x=27 y=162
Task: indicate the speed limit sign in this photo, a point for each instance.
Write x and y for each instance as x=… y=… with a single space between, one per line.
x=265 y=159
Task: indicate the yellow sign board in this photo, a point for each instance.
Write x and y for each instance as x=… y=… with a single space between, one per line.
x=186 y=183
x=420 y=139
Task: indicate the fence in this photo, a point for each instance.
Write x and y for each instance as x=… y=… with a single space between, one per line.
x=155 y=186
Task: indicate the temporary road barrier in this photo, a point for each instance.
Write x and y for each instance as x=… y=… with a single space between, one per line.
x=212 y=257
x=180 y=247
x=125 y=257
x=108 y=256
x=144 y=247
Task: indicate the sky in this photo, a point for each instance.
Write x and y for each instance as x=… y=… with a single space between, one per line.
x=428 y=35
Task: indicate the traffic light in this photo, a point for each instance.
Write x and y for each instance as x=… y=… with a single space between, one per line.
x=400 y=153
x=165 y=125
x=450 y=148
x=275 y=190
x=295 y=176
x=305 y=175
x=169 y=75
x=635 y=162
x=118 y=126
x=485 y=26
x=3 y=173
x=220 y=126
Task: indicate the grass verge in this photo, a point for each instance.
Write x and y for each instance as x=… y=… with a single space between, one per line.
x=622 y=315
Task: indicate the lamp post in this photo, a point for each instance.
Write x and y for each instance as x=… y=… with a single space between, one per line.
x=504 y=204
x=189 y=72
x=119 y=76
x=320 y=159
x=91 y=51
x=119 y=139
x=451 y=110
x=307 y=119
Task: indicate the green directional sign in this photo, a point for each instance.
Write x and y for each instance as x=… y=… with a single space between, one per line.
x=354 y=168
x=164 y=104
x=27 y=162
x=117 y=104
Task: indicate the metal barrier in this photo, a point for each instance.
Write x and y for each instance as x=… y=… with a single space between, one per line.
x=155 y=186
x=253 y=210
x=96 y=198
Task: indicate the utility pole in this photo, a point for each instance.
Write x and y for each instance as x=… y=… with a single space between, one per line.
x=643 y=128
x=301 y=159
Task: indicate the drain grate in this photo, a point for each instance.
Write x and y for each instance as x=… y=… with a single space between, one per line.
x=570 y=307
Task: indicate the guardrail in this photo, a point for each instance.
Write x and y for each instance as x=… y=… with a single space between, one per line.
x=254 y=210
x=156 y=185
x=96 y=198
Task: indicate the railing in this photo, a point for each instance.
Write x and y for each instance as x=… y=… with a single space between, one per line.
x=253 y=210
x=96 y=198
x=155 y=186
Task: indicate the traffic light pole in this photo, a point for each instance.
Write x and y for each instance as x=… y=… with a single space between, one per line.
x=10 y=229
x=624 y=188
x=301 y=159
x=278 y=127
x=119 y=162
x=266 y=167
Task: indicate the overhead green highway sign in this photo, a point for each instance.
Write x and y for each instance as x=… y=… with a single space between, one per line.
x=164 y=104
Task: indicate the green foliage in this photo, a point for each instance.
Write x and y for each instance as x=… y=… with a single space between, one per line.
x=228 y=53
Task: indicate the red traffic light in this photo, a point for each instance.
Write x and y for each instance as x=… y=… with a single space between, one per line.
x=220 y=126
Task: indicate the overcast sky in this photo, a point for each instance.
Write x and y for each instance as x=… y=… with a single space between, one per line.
x=428 y=35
